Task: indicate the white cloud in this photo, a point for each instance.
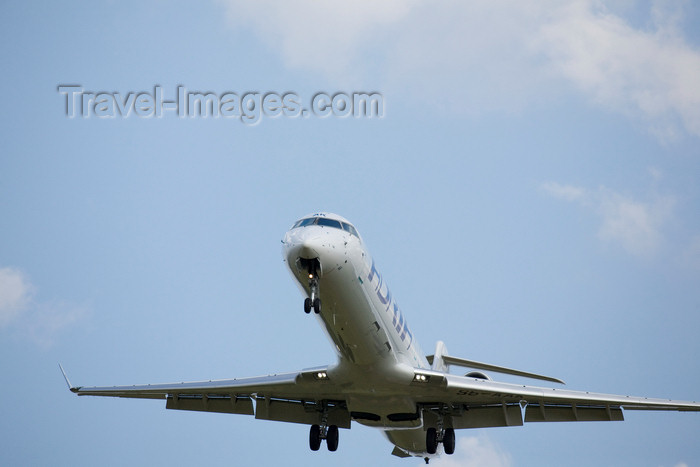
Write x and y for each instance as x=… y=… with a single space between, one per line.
x=496 y=55
x=652 y=75
x=566 y=192
x=48 y=320
x=38 y=321
x=636 y=225
x=15 y=295
x=320 y=36
x=475 y=451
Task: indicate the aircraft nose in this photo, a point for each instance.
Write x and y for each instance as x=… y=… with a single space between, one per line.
x=304 y=246
x=314 y=242
x=309 y=247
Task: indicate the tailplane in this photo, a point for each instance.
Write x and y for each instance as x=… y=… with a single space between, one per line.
x=441 y=361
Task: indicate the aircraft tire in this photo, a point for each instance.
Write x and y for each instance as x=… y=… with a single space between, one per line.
x=431 y=442
x=317 y=305
x=307 y=306
x=332 y=438
x=448 y=441
x=315 y=437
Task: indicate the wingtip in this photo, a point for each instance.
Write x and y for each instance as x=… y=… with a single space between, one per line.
x=70 y=386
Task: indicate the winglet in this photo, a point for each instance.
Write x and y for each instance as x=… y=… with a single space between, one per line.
x=70 y=386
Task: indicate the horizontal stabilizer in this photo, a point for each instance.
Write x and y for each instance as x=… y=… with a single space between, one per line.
x=447 y=360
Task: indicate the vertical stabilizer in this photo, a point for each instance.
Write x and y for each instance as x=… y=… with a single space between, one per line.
x=438 y=364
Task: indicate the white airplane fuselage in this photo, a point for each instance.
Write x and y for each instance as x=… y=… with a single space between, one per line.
x=377 y=350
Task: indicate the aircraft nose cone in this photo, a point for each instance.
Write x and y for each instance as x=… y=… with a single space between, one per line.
x=306 y=247
x=310 y=247
x=310 y=243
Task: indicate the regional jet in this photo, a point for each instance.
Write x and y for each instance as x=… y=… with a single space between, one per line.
x=381 y=378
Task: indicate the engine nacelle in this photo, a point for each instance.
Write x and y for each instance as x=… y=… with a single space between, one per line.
x=478 y=375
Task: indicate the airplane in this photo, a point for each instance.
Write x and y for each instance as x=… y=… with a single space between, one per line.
x=381 y=378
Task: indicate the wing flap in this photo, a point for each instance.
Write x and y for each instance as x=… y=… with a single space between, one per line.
x=300 y=411
x=503 y=415
x=489 y=416
x=211 y=403
x=572 y=413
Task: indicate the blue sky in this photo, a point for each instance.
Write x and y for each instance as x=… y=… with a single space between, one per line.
x=530 y=193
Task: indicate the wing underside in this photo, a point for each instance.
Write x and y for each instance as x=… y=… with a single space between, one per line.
x=475 y=403
x=460 y=402
x=301 y=397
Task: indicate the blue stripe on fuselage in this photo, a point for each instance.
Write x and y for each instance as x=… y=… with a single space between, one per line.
x=398 y=320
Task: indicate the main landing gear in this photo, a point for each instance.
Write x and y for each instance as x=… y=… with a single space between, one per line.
x=314 y=301
x=319 y=433
x=446 y=437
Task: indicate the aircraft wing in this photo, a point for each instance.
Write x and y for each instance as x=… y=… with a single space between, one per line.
x=465 y=402
x=476 y=403
x=289 y=397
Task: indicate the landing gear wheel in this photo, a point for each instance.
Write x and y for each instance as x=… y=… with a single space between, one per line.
x=431 y=440
x=332 y=438
x=307 y=305
x=317 y=305
x=315 y=437
x=448 y=441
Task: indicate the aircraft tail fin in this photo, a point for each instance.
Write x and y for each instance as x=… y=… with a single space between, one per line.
x=437 y=363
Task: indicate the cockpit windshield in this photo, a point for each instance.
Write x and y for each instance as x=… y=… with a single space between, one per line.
x=324 y=221
x=305 y=222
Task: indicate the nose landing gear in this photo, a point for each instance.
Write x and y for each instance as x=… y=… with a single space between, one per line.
x=313 y=301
